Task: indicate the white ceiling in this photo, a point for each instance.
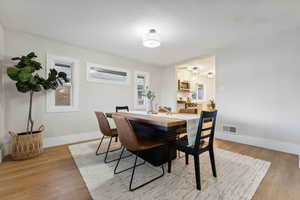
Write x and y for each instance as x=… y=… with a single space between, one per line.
x=188 y=28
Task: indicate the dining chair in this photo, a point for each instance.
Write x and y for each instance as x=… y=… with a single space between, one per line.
x=188 y=110
x=164 y=109
x=204 y=142
x=119 y=108
x=132 y=143
x=107 y=132
x=182 y=131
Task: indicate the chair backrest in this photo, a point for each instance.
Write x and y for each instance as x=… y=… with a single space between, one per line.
x=126 y=133
x=188 y=110
x=206 y=128
x=119 y=108
x=103 y=124
x=164 y=109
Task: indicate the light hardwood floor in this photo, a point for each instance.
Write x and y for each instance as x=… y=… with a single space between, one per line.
x=54 y=175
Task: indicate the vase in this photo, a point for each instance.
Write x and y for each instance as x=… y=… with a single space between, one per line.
x=150 y=107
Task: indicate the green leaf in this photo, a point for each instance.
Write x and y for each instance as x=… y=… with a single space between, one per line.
x=36 y=65
x=63 y=75
x=53 y=85
x=16 y=58
x=52 y=75
x=28 y=69
x=24 y=76
x=36 y=88
x=13 y=72
x=31 y=55
x=23 y=87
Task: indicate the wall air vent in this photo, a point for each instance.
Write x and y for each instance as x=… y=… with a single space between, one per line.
x=229 y=129
x=106 y=74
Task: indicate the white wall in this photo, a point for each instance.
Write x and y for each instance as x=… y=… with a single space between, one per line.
x=93 y=96
x=168 y=91
x=1 y=86
x=258 y=84
x=209 y=88
x=257 y=90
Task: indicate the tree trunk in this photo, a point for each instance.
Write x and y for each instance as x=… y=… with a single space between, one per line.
x=29 y=120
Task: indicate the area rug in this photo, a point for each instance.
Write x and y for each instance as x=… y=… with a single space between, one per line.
x=238 y=176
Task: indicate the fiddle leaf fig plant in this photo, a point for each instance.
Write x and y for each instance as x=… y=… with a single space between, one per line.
x=25 y=73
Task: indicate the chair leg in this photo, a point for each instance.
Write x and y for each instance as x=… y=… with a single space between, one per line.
x=119 y=160
x=132 y=176
x=186 y=158
x=115 y=170
x=107 y=151
x=170 y=160
x=197 y=171
x=212 y=161
x=97 y=151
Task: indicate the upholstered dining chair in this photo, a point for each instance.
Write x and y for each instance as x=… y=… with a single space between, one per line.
x=204 y=142
x=107 y=132
x=164 y=109
x=132 y=143
x=120 y=108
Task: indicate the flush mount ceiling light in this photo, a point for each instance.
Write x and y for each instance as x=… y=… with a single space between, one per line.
x=151 y=39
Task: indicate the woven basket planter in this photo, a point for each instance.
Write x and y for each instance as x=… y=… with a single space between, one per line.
x=25 y=146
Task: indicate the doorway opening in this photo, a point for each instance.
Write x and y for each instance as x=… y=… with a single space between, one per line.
x=195 y=84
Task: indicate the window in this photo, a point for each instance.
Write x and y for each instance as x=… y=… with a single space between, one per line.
x=199 y=94
x=65 y=97
x=141 y=80
x=63 y=93
x=105 y=74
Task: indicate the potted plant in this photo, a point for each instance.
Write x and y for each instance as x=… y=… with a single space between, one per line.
x=150 y=97
x=29 y=144
x=212 y=105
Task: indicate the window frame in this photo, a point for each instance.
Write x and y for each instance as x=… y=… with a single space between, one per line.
x=90 y=64
x=50 y=105
x=147 y=83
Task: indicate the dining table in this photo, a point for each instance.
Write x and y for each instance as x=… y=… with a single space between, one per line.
x=163 y=127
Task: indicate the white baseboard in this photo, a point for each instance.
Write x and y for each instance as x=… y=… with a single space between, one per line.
x=263 y=142
x=68 y=139
x=255 y=141
x=59 y=140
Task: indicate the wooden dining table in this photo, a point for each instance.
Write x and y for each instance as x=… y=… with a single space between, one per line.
x=152 y=127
